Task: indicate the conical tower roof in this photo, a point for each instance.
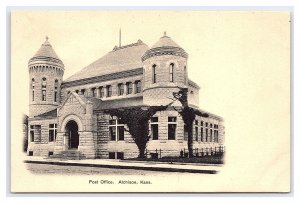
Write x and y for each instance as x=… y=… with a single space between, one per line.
x=165 y=41
x=165 y=46
x=46 y=53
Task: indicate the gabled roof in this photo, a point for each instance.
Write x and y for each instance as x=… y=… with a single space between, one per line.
x=119 y=59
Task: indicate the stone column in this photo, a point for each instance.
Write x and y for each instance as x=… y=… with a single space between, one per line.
x=98 y=92
x=125 y=89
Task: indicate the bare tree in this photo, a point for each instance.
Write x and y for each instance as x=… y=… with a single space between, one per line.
x=137 y=121
x=188 y=115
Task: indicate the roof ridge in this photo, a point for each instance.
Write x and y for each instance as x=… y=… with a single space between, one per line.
x=139 y=42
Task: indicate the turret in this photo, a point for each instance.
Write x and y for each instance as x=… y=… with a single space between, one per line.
x=165 y=71
x=45 y=75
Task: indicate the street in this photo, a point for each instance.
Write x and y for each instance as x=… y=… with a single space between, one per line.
x=75 y=170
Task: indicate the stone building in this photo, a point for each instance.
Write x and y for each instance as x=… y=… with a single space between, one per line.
x=66 y=117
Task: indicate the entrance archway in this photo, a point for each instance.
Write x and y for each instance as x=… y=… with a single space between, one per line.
x=72 y=132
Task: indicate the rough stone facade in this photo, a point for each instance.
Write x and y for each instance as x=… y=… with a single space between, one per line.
x=70 y=117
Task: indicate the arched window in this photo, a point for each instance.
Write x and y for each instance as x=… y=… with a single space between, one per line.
x=55 y=90
x=44 y=86
x=32 y=88
x=171 y=72
x=154 y=73
x=94 y=92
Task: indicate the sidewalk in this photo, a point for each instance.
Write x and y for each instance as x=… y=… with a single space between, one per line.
x=127 y=164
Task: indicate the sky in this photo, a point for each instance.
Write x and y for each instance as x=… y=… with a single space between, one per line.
x=240 y=60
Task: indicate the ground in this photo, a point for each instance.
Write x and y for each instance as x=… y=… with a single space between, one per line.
x=76 y=170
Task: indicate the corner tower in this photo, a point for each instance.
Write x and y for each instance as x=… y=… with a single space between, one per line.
x=165 y=71
x=45 y=75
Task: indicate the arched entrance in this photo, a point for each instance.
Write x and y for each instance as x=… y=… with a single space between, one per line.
x=72 y=133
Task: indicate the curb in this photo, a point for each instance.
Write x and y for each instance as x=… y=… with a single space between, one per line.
x=156 y=168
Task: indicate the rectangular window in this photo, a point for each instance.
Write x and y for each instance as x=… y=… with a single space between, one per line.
x=216 y=136
x=196 y=133
x=154 y=128
x=154 y=74
x=52 y=132
x=185 y=134
x=120 y=155
x=112 y=133
x=43 y=95
x=201 y=135
x=120 y=132
x=31 y=133
x=32 y=95
x=55 y=96
x=120 y=89
x=129 y=87
x=83 y=91
x=171 y=71
x=138 y=86
x=101 y=92
x=116 y=130
x=211 y=135
x=206 y=135
x=172 y=127
x=111 y=155
x=109 y=90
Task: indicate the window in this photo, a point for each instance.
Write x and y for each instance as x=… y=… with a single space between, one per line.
x=32 y=85
x=120 y=155
x=138 y=86
x=171 y=128
x=116 y=130
x=185 y=133
x=196 y=133
x=216 y=133
x=77 y=91
x=129 y=87
x=43 y=95
x=211 y=133
x=101 y=92
x=94 y=92
x=31 y=133
x=109 y=90
x=35 y=133
x=206 y=135
x=154 y=73
x=171 y=72
x=111 y=155
x=185 y=75
x=44 y=86
x=55 y=96
x=201 y=135
x=82 y=91
x=154 y=128
x=52 y=132
x=120 y=89
x=55 y=90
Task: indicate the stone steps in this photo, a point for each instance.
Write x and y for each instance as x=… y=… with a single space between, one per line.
x=69 y=155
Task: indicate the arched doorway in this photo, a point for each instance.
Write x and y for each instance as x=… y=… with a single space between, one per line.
x=72 y=132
